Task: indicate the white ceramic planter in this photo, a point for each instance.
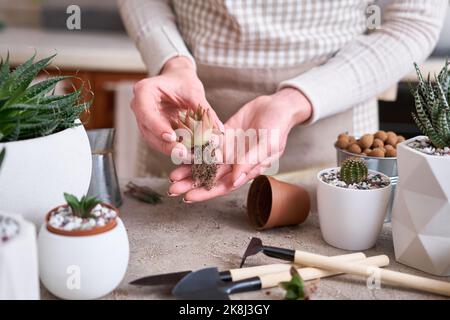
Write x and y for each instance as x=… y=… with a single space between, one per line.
x=86 y=267
x=19 y=276
x=421 y=212
x=351 y=219
x=36 y=172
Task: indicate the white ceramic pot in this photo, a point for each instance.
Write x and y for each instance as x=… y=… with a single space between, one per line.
x=83 y=267
x=36 y=172
x=351 y=219
x=421 y=212
x=19 y=275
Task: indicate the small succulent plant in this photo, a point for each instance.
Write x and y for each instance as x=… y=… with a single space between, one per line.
x=30 y=111
x=198 y=127
x=432 y=114
x=353 y=170
x=296 y=289
x=81 y=207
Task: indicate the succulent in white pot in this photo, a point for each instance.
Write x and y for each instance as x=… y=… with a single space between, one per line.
x=48 y=150
x=83 y=249
x=421 y=211
x=352 y=202
x=19 y=275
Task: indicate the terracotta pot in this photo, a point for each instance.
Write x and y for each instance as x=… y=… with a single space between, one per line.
x=82 y=233
x=272 y=203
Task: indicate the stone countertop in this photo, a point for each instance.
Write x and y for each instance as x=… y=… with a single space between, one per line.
x=174 y=236
x=101 y=51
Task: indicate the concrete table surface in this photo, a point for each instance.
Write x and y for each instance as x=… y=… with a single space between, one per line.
x=174 y=236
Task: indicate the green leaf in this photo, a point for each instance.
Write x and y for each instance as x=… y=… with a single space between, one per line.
x=17 y=87
x=2 y=156
x=82 y=207
x=4 y=70
x=32 y=111
x=40 y=89
x=295 y=288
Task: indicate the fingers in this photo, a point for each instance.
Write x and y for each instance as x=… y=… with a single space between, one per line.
x=222 y=187
x=180 y=173
x=181 y=187
x=147 y=97
x=244 y=166
x=187 y=184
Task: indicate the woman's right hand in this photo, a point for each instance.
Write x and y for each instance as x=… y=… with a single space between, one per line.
x=157 y=101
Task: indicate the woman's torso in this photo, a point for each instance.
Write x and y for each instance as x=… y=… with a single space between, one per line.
x=268 y=33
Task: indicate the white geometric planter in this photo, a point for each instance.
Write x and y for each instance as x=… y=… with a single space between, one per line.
x=19 y=275
x=351 y=219
x=83 y=267
x=421 y=212
x=36 y=172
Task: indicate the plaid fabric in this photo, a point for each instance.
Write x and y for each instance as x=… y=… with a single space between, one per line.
x=270 y=33
x=282 y=33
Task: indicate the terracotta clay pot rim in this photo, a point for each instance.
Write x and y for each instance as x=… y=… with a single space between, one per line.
x=82 y=233
x=353 y=190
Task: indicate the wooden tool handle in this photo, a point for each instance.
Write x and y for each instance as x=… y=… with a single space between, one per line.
x=272 y=280
x=245 y=273
x=391 y=277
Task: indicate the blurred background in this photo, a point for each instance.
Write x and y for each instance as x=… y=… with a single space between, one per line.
x=102 y=55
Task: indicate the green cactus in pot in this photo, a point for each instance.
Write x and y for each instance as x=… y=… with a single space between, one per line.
x=353 y=170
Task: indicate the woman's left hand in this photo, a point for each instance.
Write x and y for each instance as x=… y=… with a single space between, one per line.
x=276 y=114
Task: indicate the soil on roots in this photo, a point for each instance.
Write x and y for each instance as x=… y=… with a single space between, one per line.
x=204 y=173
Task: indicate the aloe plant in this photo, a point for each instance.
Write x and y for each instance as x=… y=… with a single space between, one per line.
x=81 y=207
x=29 y=111
x=432 y=114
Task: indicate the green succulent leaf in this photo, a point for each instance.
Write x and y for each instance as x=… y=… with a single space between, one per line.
x=81 y=207
x=432 y=115
x=2 y=156
x=295 y=288
x=30 y=111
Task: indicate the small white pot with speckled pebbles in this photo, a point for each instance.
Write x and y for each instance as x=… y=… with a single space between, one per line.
x=19 y=276
x=351 y=216
x=82 y=258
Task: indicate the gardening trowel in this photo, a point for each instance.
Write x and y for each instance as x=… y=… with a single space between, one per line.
x=232 y=274
x=256 y=246
x=207 y=284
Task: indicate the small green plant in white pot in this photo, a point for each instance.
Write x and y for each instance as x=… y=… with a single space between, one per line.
x=352 y=203
x=47 y=147
x=421 y=212
x=83 y=249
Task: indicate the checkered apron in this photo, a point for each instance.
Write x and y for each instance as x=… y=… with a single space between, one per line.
x=245 y=48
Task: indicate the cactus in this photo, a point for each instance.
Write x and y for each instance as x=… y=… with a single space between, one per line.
x=353 y=170
x=432 y=114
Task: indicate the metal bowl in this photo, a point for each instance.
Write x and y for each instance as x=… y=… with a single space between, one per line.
x=388 y=166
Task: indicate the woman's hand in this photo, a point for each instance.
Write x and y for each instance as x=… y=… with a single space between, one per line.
x=157 y=101
x=277 y=114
